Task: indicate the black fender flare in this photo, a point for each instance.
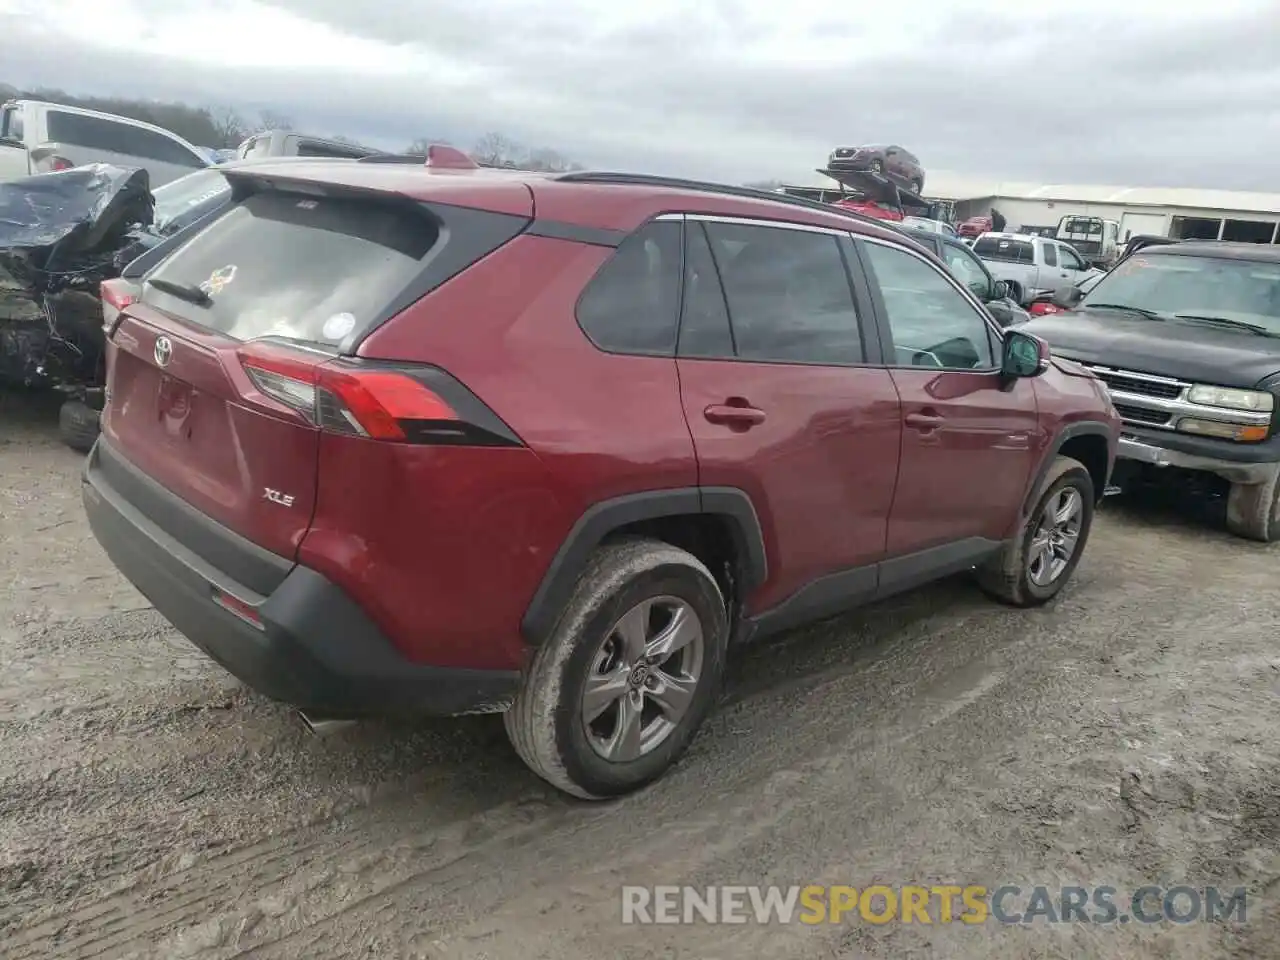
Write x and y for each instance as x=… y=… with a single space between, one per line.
x=1080 y=428
x=607 y=516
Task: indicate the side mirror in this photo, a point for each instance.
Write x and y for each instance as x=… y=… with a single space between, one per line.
x=1067 y=297
x=1000 y=290
x=1025 y=355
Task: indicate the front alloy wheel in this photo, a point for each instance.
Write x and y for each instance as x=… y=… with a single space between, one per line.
x=1054 y=542
x=1038 y=562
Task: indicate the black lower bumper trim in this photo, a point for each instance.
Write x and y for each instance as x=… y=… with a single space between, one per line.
x=316 y=649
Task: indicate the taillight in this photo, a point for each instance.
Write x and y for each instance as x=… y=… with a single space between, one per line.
x=1041 y=309
x=393 y=402
x=56 y=163
x=116 y=295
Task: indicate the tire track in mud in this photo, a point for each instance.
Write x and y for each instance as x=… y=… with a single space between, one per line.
x=281 y=880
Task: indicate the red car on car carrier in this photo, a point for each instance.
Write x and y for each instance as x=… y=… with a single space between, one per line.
x=385 y=438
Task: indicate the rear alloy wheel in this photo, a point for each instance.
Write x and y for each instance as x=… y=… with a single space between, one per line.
x=1036 y=565
x=877 y=166
x=916 y=187
x=614 y=696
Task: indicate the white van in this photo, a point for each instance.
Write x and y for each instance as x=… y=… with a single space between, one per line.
x=40 y=137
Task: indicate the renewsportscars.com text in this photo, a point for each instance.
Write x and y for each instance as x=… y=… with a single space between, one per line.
x=936 y=903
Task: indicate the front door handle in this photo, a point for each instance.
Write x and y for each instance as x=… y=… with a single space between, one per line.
x=734 y=414
x=923 y=421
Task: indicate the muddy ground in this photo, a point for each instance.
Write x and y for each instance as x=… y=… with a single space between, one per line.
x=1126 y=735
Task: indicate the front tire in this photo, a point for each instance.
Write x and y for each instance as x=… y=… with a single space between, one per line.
x=1036 y=565
x=1253 y=510
x=615 y=695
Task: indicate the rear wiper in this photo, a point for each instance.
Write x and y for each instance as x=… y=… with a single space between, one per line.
x=1140 y=311
x=1227 y=322
x=183 y=291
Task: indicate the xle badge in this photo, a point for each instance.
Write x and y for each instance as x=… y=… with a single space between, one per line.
x=275 y=496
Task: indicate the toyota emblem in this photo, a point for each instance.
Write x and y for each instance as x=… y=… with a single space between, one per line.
x=163 y=351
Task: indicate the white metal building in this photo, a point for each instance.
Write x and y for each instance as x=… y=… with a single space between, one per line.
x=1174 y=212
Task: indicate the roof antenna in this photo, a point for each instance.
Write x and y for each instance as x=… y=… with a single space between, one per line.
x=443 y=157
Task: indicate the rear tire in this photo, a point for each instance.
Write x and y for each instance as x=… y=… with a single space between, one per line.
x=916 y=187
x=1030 y=570
x=1252 y=510
x=78 y=425
x=877 y=166
x=548 y=723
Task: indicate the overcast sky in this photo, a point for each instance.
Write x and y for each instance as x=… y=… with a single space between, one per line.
x=1161 y=94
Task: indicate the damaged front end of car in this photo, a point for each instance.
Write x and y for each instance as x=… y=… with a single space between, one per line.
x=61 y=236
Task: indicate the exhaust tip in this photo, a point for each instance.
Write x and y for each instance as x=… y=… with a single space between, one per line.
x=323 y=726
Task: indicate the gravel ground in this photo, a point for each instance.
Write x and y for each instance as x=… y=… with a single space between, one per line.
x=1126 y=735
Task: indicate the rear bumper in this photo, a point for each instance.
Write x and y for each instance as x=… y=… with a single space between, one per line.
x=316 y=649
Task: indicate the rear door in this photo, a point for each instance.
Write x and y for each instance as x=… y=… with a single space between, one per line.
x=969 y=438
x=785 y=401
x=211 y=375
x=14 y=159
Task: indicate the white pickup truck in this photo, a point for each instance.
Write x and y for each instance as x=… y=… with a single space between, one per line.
x=39 y=137
x=1031 y=265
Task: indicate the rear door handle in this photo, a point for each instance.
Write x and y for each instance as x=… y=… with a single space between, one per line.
x=923 y=421
x=733 y=414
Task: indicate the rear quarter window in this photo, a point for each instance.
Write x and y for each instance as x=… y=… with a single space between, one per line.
x=312 y=269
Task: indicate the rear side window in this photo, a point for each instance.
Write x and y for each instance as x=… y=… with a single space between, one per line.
x=111 y=136
x=11 y=124
x=1004 y=249
x=314 y=269
x=631 y=304
x=788 y=294
x=1050 y=255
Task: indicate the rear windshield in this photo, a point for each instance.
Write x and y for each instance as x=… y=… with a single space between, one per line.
x=1002 y=248
x=1082 y=225
x=315 y=269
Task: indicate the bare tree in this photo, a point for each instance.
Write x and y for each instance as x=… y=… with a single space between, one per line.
x=497 y=150
x=228 y=125
x=271 y=120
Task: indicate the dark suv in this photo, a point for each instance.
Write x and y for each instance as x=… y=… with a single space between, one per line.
x=1187 y=337
x=391 y=439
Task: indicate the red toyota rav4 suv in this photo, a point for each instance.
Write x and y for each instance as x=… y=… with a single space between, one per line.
x=383 y=438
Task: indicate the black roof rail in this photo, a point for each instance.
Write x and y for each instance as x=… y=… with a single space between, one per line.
x=724 y=189
x=392 y=158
